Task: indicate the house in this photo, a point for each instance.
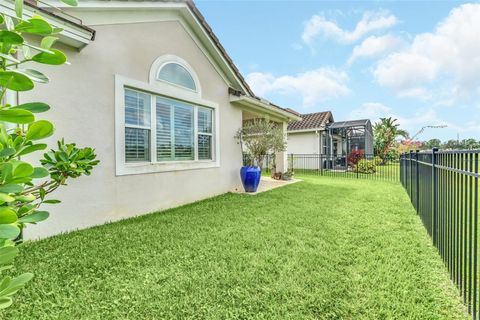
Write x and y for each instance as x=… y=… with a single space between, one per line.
x=318 y=134
x=150 y=87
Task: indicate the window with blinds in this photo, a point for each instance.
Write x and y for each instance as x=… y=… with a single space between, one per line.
x=137 y=126
x=175 y=135
x=175 y=130
x=204 y=136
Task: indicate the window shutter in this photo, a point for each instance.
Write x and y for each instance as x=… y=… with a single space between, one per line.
x=137 y=126
x=164 y=131
x=137 y=145
x=183 y=122
x=204 y=139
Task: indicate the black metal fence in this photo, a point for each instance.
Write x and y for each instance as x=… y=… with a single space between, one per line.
x=443 y=188
x=360 y=166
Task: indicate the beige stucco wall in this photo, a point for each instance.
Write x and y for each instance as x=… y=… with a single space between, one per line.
x=82 y=100
x=303 y=142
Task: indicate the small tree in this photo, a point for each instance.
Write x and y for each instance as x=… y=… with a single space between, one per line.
x=385 y=133
x=259 y=138
x=24 y=186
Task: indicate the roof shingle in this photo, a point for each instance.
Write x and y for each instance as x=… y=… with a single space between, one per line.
x=316 y=120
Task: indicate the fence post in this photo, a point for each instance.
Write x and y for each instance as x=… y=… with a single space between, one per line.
x=291 y=163
x=321 y=164
x=411 y=173
x=434 y=196
x=417 y=181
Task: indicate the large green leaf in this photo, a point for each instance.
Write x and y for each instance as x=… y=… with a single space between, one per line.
x=10 y=38
x=25 y=198
x=34 y=75
x=15 y=81
x=11 y=188
x=35 y=217
x=7 y=152
x=32 y=148
x=6 y=172
x=5 y=302
x=17 y=116
x=22 y=169
x=34 y=107
x=7 y=254
x=36 y=25
x=57 y=57
x=47 y=42
x=39 y=172
x=7 y=215
x=39 y=129
x=16 y=284
x=9 y=231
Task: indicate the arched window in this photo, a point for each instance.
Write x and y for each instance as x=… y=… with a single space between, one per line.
x=177 y=74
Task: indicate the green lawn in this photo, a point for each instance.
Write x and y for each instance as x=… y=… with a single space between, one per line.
x=324 y=248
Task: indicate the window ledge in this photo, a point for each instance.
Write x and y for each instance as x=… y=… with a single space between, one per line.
x=147 y=167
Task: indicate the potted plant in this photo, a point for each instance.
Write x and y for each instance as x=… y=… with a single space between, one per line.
x=257 y=139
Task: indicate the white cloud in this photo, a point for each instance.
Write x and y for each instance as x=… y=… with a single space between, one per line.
x=422 y=117
x=374 y=46
x=370 y=110
x=448 y=56
x=312 y=86
x=318 y=25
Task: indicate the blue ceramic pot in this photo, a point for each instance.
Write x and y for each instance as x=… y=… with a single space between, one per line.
x=250 y=178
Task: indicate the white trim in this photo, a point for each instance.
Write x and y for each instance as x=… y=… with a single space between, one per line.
x=71 y=35
x=307 y=130
x=123 y=168
x=161 y=61
x=247 y=102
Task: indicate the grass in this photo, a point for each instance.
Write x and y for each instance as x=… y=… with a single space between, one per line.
x=324 y=248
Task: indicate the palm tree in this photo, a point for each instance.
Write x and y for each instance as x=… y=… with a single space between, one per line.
x=386 y=131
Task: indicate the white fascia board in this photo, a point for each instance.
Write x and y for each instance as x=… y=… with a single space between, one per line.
x=71 y=35
x=102 y=4
x=307 y=130
x=262 y=108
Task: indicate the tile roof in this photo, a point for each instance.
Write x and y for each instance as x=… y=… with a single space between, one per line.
x=316 y=120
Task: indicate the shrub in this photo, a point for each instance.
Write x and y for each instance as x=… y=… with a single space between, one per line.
x=354 y=157
x=25 y=186
x=377 y=160
x=366 y=166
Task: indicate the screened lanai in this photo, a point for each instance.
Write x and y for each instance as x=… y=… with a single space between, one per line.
x=346 y=136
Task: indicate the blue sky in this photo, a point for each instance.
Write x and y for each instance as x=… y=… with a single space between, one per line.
x=416 y=61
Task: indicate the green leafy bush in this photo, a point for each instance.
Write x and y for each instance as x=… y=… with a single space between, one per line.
x=377 y=160
x=366 y=166
x=24 y=186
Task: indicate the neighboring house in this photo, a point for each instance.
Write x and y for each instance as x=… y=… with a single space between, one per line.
x=317 y=133
x=152 y=90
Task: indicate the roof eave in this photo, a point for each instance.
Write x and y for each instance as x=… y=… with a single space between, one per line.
x=73 y=34
x=306 y=130
x=262 y=107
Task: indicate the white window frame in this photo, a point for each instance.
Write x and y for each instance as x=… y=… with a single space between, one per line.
x=163 y=89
